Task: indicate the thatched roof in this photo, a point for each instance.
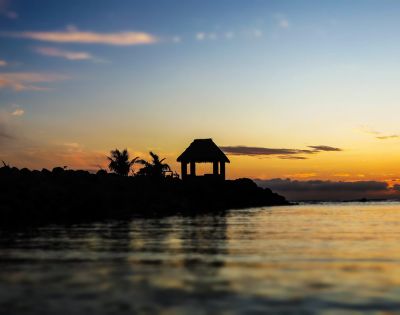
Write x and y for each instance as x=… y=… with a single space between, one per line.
x=203 y=150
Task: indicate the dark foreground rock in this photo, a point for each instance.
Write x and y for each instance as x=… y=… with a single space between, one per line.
x=70 y=196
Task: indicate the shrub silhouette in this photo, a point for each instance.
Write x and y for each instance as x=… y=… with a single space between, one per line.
x=101 y=172
x=156 y=168
x=58 y=171
x=120 y=162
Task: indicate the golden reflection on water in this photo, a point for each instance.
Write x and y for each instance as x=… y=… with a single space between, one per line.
x=331 y=258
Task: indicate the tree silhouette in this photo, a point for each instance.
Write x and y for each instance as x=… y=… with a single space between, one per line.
x=156 y=168
x=120 y=162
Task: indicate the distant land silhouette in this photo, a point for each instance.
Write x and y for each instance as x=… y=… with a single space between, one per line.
x=63 y=195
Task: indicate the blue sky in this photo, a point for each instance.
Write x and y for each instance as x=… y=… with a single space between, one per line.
x=269 y=74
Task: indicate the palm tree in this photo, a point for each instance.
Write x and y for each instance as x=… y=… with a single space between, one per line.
x=120 y=162
x=156 y=168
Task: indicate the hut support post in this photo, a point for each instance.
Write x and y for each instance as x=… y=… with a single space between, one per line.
x=192 y=169
x=222 y=170
x=215 y=168
x=183 y=170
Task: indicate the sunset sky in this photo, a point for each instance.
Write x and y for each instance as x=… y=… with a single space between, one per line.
x=292 y=89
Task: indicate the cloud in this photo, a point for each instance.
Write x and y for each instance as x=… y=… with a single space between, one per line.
x=282 y=153
x=18 y=112
x=66 y=54
x=3 y=63
x=212 y=36
x=282 y=21
x=244 y=150
x=247 y=33
x=342 y=175
x=377 y=134
x=229 y=35
x=176 y=39
x=251 y=33
x=302 y=175
x=72 y=145
x=387 y=137
x=5 y=11
x=73 y=35
x=20 y=81
x=257 y=33
x=319 y=148
x=203 y=36
x=369 y=131
x=328 y=190
x=200 y=36
x=292 y=157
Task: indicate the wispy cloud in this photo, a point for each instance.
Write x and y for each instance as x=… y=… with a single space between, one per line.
x=244 y=150
x=3 y=63
x=319 y=148
x=229 y=35
x=176 y=39
x=282 y=21
x=388 y=137
x=6 y=11
x=66 y=54
x=377 y=134
x=341 y=175
x=301 y=175
x=292 y=157
x=18 y=112
x=200 y=36
x=251 y=33
x=73 y=35
x=20 y=81
x=257 y=33
x=282 y=153
x=368 y=130
x=212 y=36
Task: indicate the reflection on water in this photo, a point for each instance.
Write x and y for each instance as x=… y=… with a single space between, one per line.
x=338 y=258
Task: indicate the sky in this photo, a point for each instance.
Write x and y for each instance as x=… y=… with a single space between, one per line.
x=300 y=90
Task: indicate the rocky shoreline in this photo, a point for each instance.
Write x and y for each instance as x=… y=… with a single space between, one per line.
x=68 y=196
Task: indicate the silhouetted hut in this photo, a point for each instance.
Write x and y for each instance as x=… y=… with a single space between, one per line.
x=203 y=151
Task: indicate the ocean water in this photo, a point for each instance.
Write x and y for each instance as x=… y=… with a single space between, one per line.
x=305 y=259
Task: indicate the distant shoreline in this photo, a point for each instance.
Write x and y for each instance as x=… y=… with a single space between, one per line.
x=345 y=201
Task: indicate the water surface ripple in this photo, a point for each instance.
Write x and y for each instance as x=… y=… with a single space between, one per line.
x=306 y=259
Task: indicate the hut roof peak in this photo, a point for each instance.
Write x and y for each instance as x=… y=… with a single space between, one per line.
x=203 y=150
